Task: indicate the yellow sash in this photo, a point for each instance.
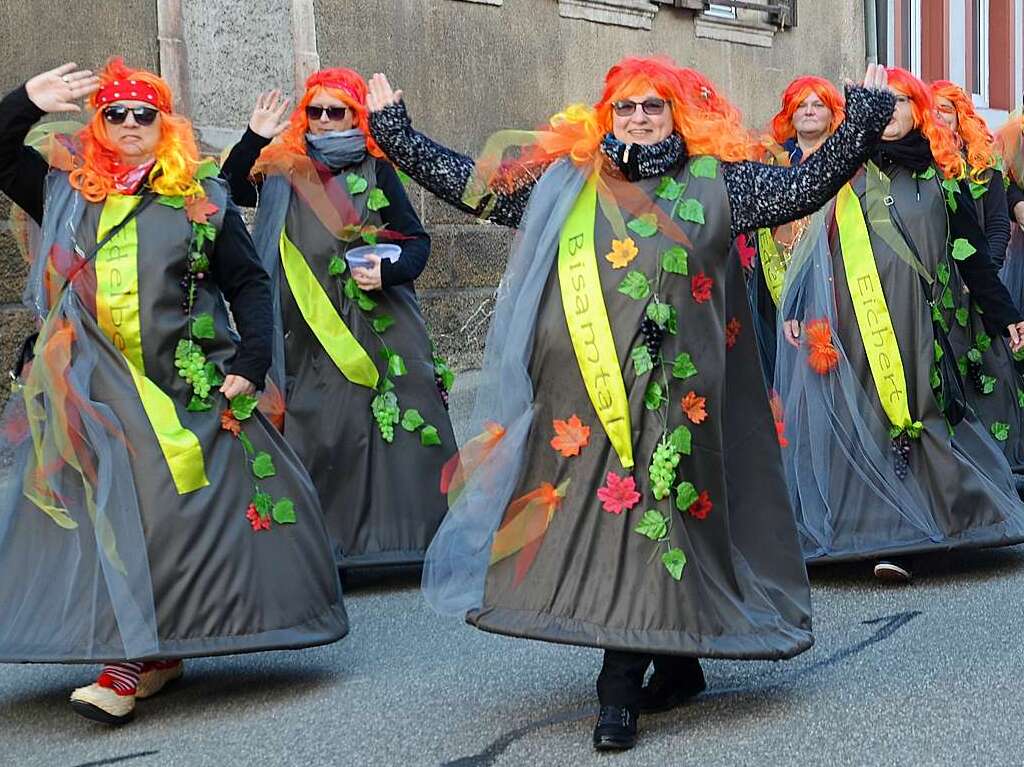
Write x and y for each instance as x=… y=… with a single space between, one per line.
x=323 y=319
x=117 y=313
x=587 y=318
x=771 y=263
x=872 y=312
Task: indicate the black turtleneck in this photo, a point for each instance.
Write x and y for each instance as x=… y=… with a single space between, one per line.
x=912 y=151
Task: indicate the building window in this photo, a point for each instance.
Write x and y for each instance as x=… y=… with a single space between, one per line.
x=979 y=51
x=721 y=11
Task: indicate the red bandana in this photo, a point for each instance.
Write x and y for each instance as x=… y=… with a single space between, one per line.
x=129 y=90
x=342 y=87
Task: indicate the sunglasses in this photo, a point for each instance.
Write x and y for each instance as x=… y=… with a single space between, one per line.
x=333 y=113
x=117 y=114
x=650 y=107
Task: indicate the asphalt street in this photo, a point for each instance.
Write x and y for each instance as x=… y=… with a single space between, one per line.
x=928 y=674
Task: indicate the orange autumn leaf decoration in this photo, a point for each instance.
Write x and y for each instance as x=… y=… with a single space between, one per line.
x=570 y=436
x=228 y=422
x=694 y=407
x=199 y=209
x=732 y=332
x=822 y=355
x=623 y=252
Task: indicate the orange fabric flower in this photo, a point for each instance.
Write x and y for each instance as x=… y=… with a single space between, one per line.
x=700 y=287
x=732 y=332
x=821 y=355
x=570 y=436
x=700 y=508
x=623 y=252
x=228 y=422
x=619 y=494
x=694 y=407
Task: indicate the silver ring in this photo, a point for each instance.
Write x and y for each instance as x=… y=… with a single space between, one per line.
x=65 y=78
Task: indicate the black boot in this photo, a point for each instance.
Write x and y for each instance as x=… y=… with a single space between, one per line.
x=675 y=680
x=615 y=729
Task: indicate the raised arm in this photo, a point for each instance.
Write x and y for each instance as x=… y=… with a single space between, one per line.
x=767 y=196
x=22 y=169
x=441 y=171
x=269 y=118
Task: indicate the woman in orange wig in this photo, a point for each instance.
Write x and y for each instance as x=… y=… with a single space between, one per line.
x=811 y=111
x=365 y=395
x=631 y=474
x=147 y=510
x=870 y=384
x=992 y=376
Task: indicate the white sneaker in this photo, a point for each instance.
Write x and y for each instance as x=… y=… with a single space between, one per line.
x=153 y=680
x=892 y=572
x=101 y=704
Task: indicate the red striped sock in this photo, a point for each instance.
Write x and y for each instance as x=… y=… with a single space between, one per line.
x=122 y=678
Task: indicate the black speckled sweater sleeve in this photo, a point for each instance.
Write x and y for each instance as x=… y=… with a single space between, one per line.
x=767 y=196
x=441 y=171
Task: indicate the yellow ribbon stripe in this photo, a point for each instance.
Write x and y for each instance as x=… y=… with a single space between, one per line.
x=872 y=312
x=323 y=319
x=117 y=312
x=589 y=329
x=771 y=263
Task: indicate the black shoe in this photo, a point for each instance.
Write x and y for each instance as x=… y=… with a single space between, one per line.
x=664 y=692
x=615 y=729
x=892 y=571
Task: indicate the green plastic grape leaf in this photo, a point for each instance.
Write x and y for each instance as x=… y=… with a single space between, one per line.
x=962 y=249
x=243 y=405
x=172 y=201
x=263 y=503
x=681 y=440
x=669 y=189
x=675 y=260
x=653 y=525
x=429 y=436
x=645 y=225
x=396 y=365
x=934 y=380
x=974 y=355
x=369 y=234
x=355 y=183
x=246 y=443
x=938 y=351
x=672 y=326
x=686 y=495
x=207 y=169
x=213 y=376
x=1000 y=430
x=382 y=323
x=704 y=167
x=659 y=313
x=692 y=210
x=635 y=285
x=336 y=266
x=674 y=561
x=947 y=298
x=199 y=404
x=642 y=360
x=412 y=420
x=377 y=200
x=926 y=175
x=942 y=273
x=263 y=466
x=654 y=396
x=962 y=316
x=683 y=367
x=1020 y=397
x=983 y=341
x=988 y=384
x=284 y=512
x=202 y=326
x=978 y=190
x=961 y=365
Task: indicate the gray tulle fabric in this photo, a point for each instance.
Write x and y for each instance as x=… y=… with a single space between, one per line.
x=1012 y=271
x=457 y=560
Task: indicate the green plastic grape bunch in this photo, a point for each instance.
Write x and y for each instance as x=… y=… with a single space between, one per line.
x=663 y=469
x=191 y=364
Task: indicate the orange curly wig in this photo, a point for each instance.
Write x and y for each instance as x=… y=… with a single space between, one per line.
x=796 y=92
x=708 y=123
x=973 y=131
x=177 y=155
x=940 y=139
x=344 y=84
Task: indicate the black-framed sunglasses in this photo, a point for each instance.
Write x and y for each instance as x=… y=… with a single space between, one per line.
x=333 y=113
x=118 y=113
x=650 y=107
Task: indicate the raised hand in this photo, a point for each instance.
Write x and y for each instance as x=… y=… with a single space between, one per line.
x=269 y=117
x=380 y=93
x=876 y=78
x=59 y=89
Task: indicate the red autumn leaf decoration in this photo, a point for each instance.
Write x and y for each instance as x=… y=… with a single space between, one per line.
x=570 y=436
x=700 y=508
x=777 y=415
x=732 y=332
x=619 y=494
x=700 y=287
x=694 y=407
x=746 y=251
x=255 y=520
x=822 y=355
x=228 y=422
x=199 y=209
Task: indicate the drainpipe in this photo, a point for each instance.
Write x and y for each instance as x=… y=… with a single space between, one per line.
x=870 y=32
